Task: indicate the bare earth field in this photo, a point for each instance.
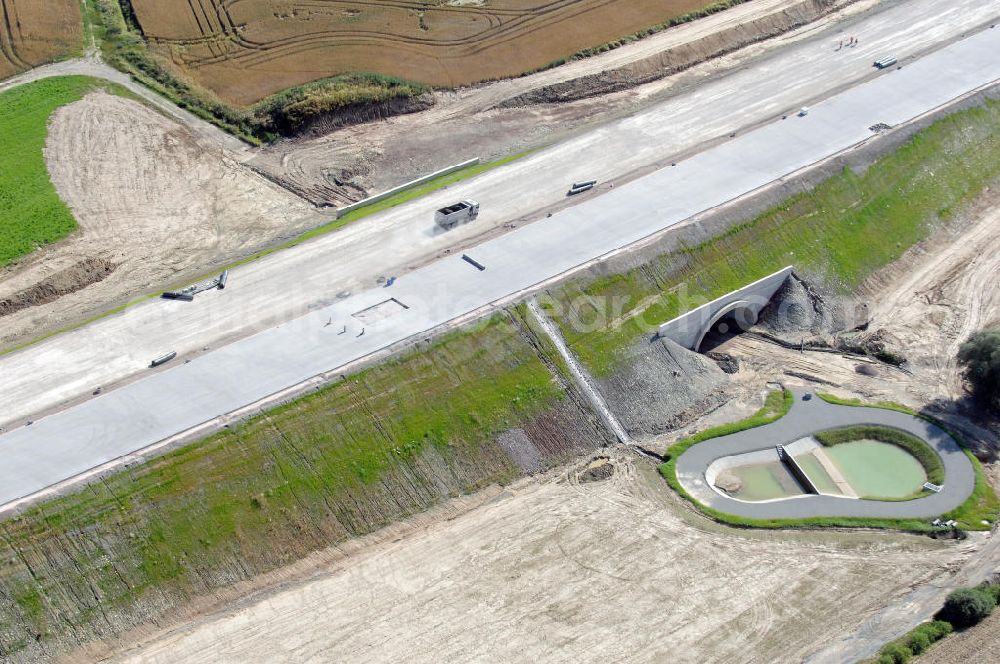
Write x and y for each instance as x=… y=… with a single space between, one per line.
x=244 y=51
x=152 y=201
x=558 y=570
x=36 y=31
x=940 y=294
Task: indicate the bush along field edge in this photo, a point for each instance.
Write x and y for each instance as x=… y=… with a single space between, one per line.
x=962 y=609
x=324 y=104
x=347 y=98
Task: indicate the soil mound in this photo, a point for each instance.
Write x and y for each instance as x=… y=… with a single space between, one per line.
x=660 y=386
x=69 y=280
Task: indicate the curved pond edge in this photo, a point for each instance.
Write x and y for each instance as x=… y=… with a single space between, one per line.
x=967 y=497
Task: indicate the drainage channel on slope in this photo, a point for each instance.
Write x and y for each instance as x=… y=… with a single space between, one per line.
x=580 y=375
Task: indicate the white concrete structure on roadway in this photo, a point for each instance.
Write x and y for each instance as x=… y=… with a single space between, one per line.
x=292 y=282
x=154 y=408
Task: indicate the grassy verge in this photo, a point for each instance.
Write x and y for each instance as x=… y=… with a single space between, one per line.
x=977 y=504
x=31 y=213
x=284 y=113
x=388 y=441
x=844 y=401
x=982 y=505
x=428 y=187
x=843 y=230
x=776 y=405
x=921 y=451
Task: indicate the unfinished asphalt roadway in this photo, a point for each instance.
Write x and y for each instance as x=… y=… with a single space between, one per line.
x=185 y=395
x=292 y=282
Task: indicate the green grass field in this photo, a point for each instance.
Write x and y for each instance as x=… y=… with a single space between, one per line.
x=31 y=213
x=844 y=230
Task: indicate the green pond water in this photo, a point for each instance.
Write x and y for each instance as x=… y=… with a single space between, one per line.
x=765 y=481
x=877 y=469
x=815 y=471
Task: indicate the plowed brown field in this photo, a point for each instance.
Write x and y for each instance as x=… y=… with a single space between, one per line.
x=245 y=50
x=35 y=31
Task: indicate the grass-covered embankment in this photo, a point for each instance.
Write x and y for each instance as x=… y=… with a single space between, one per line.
x=384 y=443
x=921 y=451
x=844 y=230
x=31 y=212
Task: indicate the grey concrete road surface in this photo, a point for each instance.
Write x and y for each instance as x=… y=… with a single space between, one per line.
x=806 y=418
x=292 y=282
x=184 y=395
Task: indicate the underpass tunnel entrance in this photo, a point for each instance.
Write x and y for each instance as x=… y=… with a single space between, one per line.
x=735 y=318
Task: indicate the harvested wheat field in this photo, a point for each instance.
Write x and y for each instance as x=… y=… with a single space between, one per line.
x=245 y=50
x=36 y=31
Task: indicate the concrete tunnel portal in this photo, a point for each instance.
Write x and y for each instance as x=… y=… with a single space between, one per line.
x=734 y=318
x=736 y=312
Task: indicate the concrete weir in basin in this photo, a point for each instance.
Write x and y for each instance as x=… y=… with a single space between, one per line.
x=743 y=305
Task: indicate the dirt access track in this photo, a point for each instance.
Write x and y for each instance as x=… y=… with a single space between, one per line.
x=558 y=570
x=36 y=31
x=248 y=49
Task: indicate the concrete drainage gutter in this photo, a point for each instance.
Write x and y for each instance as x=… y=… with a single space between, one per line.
x=579 y=374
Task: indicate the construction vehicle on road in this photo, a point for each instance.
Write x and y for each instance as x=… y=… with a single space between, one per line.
x=459 y=213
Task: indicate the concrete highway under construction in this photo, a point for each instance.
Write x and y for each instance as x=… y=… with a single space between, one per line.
x=210 y=388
